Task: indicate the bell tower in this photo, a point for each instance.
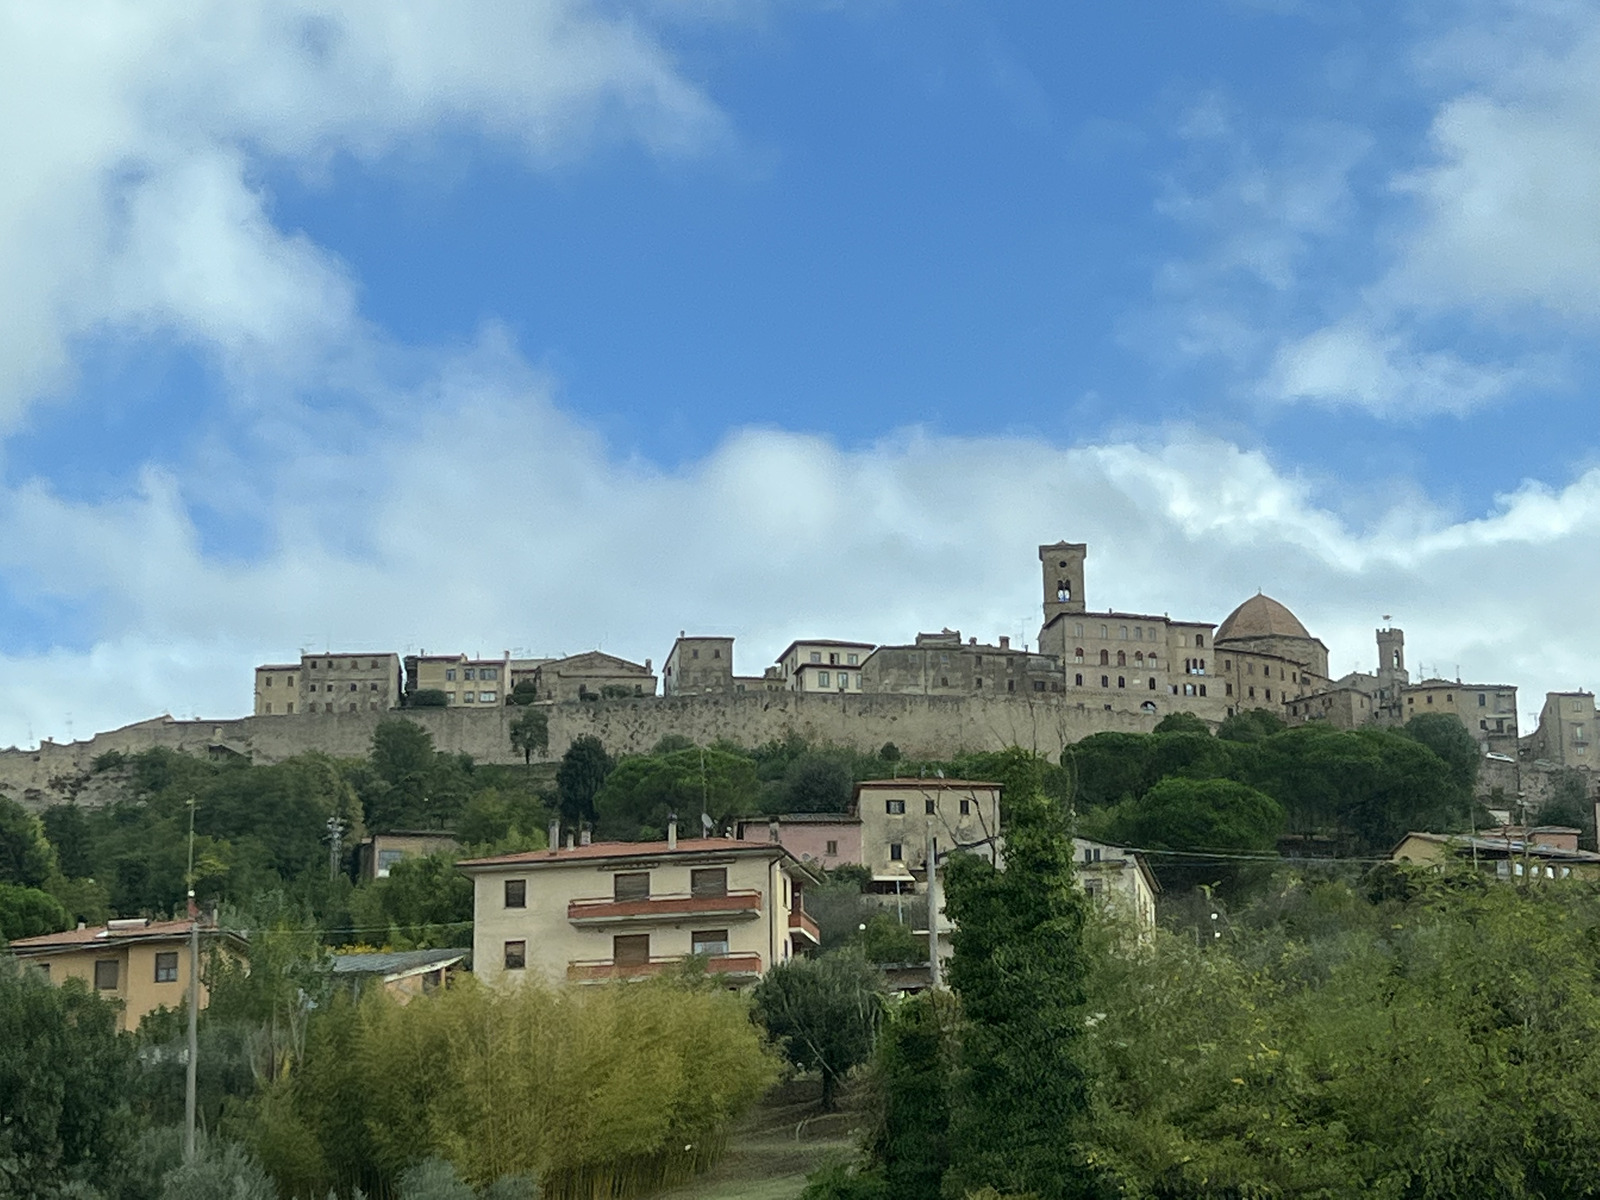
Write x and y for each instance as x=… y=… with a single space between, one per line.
x=1062 y=565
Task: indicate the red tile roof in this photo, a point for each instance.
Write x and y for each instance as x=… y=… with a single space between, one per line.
x=628 y=850
x=99 y=935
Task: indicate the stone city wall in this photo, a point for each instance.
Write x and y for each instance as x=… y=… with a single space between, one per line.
x=921 y=726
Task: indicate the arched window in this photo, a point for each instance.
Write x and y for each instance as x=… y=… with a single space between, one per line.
x=1063 y=590
x=1199 y=639
x=1148 y=706
x=1079 y=680
x=1138 y=658
x=1105 y=658
x=1122 y=682
x=1077 y=655
x=1104 y=681
x=1152 y=683
x=1122 y=658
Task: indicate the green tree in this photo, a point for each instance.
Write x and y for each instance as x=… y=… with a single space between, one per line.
x=1019 y=968
x=26 y=857
x=823 y=1013
x=1106 y=768
x=525 y=692
x=1212 y=818
x=28 y=912
x=640 y=793
x=64 y=1076
x=1569 y=804
x=1447 y=737
x=427 y=698
x=579 y=778
x=1182 y=722
x=530 y=733
x=916 y=1057
x=1250 y=725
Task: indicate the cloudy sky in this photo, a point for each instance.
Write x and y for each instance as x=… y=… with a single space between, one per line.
x=550 y=324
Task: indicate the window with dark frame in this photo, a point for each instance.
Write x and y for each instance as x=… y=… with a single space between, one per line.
x=516 y=893
x=710 y=943
x=630 y=949
x=894 y=807
x=105 y=975
x=708 y=881
x=896 y=851
x=928 y=805
x=630 y=885
x=166 y=966
x=516 y=956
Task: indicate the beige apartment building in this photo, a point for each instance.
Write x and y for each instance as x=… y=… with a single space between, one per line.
x=1119 y=877
x=1488 y=710
x=1512 y=854
x=824 y=665
x=941 y=664
x=329 y=683
x=479 y=682
x=141 y=964
x=630 y=910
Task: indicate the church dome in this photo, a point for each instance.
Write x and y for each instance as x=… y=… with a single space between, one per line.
x=1260 y=616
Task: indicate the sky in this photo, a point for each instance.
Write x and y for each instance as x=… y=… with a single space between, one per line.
x=546 y=325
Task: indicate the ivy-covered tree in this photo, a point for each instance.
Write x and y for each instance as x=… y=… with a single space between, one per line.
x=1020 y=1095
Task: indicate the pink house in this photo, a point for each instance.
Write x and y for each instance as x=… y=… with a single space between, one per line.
x=822 y=840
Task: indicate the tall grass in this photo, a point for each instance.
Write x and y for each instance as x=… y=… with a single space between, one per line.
x=602 y=1094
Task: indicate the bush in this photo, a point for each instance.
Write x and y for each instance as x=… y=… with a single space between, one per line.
x=428 y=698
x=225 y=1172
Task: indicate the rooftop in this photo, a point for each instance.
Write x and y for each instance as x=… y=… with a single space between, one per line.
x=609 y=850
x=117 y=932
x=1260 y=616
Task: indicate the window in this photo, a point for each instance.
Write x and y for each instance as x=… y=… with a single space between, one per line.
x=1104 y=632
x=966 y=808
x=1105 y=658
x=486 y=697
x=833 y=659
x=944 y=681
x=468 y=673
x=711 y=943
x=630 y=885
x=822 y=679
x=1122 y=681
x=1011 y=685
x=372 y=687
x=1200 y=640
x=977 y=660
x=894 y=807
x=489 y=673
x=1077 y=654
x=852 y=659
x=516 y=956
x=268 y=708
x=1230 y=689
x=694 y=654
x=1122 y=658
x=832 y=848
x=353 y=687
x=1138 y=633
x=708 y=881
x=895 y=851
x=1038 y=685
x=978 y=683
x=516 y=893
x=1122 y=632
x=928 y=805
x=1152 y=683
x=450 y=674
x=468 y=697
x=1252 y=693
x=166 y=966
x=630 y=949
x=816 y=656
x=1077 y=680
x=1269 y=693
x=105 y=975
x=716 y=653
x=1077 y=629
x=449 y=697
x=1105 y=681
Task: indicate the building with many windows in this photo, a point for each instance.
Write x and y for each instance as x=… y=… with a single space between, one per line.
x=462 y=680
x=328 y=683
x=629 y=910
x=823 y=665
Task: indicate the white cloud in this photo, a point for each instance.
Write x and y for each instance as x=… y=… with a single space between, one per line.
x=1353 y=366
x=128 y=199
x=545 y=541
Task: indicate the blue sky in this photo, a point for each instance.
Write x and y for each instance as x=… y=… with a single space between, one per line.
x=554 y=324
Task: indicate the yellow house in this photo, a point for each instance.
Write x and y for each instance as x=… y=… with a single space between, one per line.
x=897 y=816
x=1511 y=853
x=142 y=964
x=629 y=910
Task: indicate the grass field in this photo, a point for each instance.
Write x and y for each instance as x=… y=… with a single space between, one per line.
x=776 y=1147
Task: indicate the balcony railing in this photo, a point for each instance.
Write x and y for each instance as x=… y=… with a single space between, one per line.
x=803 y=925
x=607 y=910
x=599 y=970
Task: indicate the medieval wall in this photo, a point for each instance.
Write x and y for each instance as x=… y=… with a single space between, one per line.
x=921 y=726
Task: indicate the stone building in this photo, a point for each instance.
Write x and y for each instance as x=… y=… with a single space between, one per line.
x=698 y=666
x=1566 y=733
x=1261 y=656
x=329 y=683
x=1488 y=710
x=593 y=675
x=941 y=664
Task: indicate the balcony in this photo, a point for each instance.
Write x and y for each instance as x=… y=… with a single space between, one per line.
x=739 y=968
x=607 y=910
x=803 y=926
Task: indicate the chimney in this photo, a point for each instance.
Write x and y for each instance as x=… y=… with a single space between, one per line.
x=773 y=831
x=584 y=836
x=647 y=666
x=555 y=834
x=1005 y=641
x=972 y=641
x=672 y=831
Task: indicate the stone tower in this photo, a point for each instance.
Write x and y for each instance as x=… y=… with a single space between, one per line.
x=1392 y=655
x=1062 y=564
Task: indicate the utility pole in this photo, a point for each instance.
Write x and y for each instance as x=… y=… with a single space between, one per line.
x=191 y=1084
x=933 y=908
x=336 y=827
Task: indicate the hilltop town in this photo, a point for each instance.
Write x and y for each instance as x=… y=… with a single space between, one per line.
x=1089 y=671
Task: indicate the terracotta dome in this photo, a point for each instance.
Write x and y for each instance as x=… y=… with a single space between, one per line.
x=1260 y=616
